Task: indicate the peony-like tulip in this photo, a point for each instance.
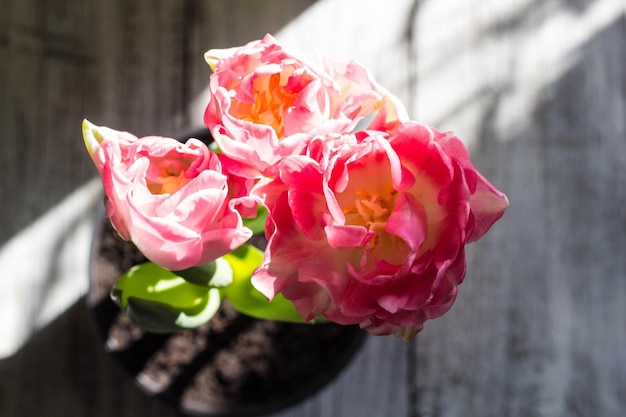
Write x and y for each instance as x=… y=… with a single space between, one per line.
x=266 y=102
x=361 y=96
x=170 y=199
x=370 y=228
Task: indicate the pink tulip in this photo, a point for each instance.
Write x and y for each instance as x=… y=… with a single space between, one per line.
x=170 y=199
x=370 y=228
x=266 y=102
x=361 y=96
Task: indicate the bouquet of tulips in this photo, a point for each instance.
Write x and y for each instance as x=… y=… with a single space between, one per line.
x=365 y=212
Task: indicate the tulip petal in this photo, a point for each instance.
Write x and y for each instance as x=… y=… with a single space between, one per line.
x=408 y=221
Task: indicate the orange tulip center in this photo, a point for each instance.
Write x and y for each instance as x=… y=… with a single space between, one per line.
x=168 y=176
x=371 y=211
x=273 y=95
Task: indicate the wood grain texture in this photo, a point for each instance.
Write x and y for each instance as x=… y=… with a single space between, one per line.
x=536 y=89
x=539 y=323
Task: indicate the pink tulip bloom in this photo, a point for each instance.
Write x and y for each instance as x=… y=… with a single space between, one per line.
x=370 y=228
x=267 y=101
x=170 y=199
x=361 y=96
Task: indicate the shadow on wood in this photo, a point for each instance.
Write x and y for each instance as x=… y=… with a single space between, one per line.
x=130 y=65
x=538 y=322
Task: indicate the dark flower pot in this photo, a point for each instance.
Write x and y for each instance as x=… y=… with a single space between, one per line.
x=233 y=365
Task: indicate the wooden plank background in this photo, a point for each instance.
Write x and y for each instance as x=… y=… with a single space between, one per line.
x=537 y=90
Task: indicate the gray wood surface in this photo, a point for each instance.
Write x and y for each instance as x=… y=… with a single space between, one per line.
x=537 y=90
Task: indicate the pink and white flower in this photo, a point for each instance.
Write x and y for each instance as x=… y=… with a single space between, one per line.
x=170 y=199
x=370 y=228
x=267 y=101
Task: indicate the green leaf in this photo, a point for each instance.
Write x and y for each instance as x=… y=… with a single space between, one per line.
x=159 y=301
x=214 y=274
x=213 y=147
x=257 y=224
x=247 y=299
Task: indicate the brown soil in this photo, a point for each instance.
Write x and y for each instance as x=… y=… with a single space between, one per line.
x=234 y=364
